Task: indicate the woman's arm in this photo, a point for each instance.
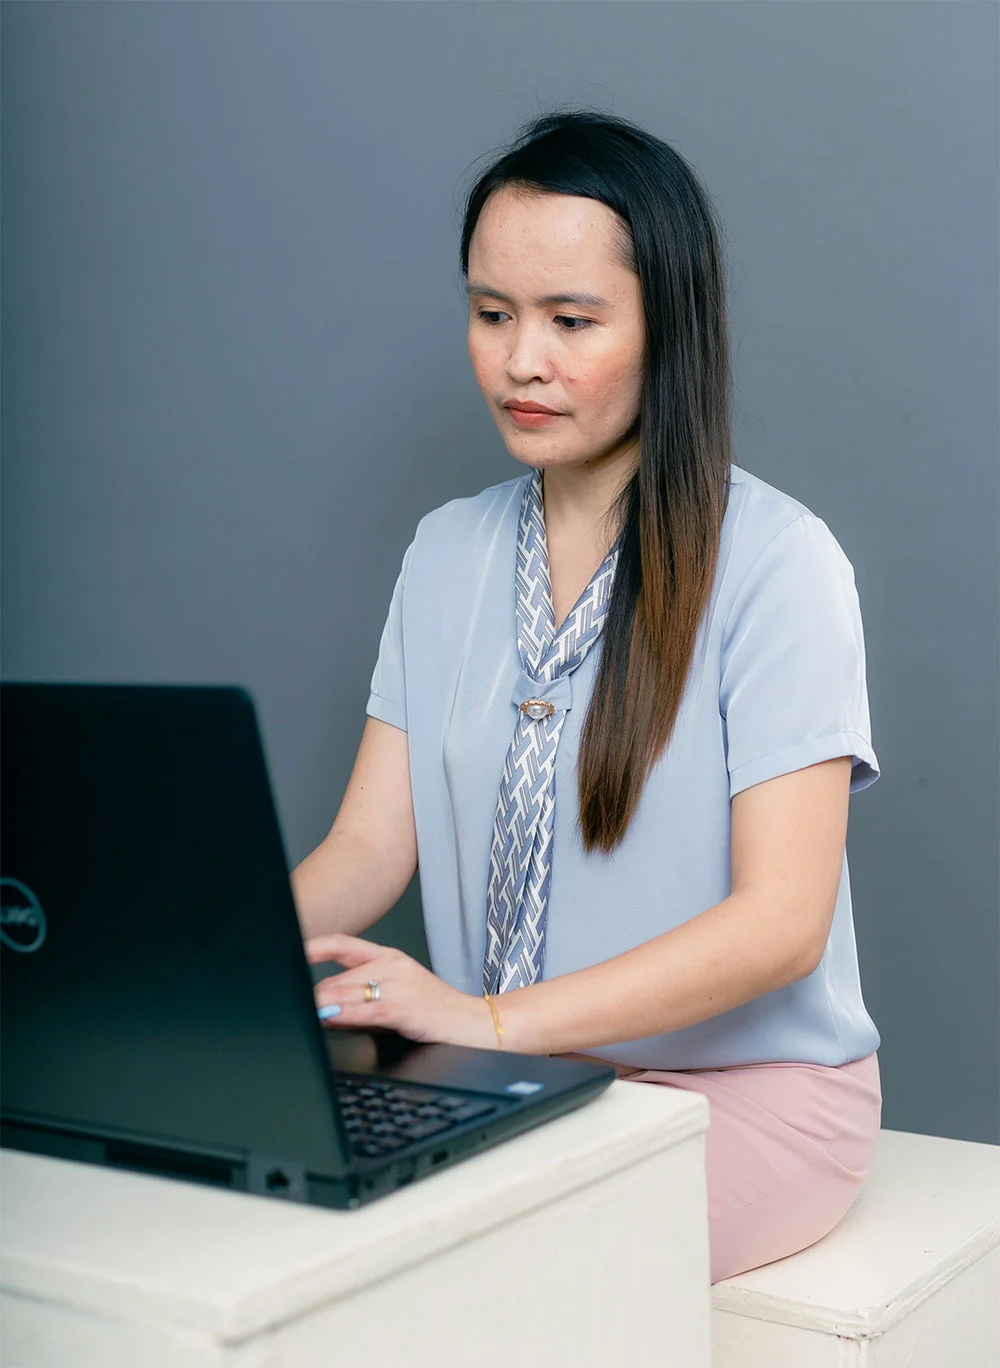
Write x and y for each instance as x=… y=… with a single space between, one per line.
x=363 y=866
x=787 y=847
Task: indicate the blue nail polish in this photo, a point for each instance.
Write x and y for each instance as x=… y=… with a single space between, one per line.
x=333 y=1010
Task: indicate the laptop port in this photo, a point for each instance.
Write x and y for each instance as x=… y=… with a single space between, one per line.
x=440 y=1157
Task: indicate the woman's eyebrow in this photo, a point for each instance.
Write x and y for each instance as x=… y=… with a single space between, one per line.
x=588 y=301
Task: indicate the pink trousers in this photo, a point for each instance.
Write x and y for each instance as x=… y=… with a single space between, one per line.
x=787 y=1149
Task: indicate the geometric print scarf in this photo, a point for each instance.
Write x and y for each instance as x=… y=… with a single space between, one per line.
x=521 y=848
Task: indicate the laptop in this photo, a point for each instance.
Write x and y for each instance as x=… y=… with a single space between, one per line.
x=158 y=1012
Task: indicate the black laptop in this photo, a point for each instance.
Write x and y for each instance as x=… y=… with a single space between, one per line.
x=157 y=1007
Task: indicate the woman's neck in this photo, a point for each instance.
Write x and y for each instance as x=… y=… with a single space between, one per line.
x=577 y=499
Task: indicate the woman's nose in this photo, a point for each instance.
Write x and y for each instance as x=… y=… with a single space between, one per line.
x=528 y=359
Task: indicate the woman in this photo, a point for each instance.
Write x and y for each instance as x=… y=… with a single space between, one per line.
x=619 y=706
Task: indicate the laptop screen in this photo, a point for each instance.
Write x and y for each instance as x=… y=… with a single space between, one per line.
x=154 y=979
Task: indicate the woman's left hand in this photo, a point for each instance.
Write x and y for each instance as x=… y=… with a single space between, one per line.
x=412 y=1000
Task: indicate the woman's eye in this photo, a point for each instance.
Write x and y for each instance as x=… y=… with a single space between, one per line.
x=492 y=316
x=572 y=324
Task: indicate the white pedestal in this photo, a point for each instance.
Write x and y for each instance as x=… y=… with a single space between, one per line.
x=584 y=1242
x=910 y=1278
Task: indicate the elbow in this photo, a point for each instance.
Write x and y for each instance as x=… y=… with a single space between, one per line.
x=802 y=931
x=810 y=954
x=804 y=965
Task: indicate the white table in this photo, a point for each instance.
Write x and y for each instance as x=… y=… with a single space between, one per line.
x=584 y=1242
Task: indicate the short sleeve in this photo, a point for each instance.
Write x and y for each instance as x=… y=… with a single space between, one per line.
x=793 y=689
x=387 y=700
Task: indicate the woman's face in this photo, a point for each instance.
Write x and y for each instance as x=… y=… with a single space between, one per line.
x=556 y=320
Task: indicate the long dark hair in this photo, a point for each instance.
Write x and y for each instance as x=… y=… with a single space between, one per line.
x=670 y=512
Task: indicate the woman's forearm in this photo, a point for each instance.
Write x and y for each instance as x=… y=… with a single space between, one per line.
x=345 y=885
x=729 y=954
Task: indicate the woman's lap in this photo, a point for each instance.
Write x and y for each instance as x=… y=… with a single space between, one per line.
x=787 y=1149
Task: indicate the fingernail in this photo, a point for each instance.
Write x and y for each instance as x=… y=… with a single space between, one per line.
x=333 y=1010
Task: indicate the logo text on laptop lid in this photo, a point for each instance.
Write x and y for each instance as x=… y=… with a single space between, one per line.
x=22 y=921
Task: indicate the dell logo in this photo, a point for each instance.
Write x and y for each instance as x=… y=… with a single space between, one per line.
x=22 y=921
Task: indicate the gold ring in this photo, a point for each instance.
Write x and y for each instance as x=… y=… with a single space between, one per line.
x=372 y=991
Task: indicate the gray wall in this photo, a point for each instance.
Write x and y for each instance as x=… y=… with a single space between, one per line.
x=234 y=377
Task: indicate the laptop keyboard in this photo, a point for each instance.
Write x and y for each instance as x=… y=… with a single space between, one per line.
x=383 y=1118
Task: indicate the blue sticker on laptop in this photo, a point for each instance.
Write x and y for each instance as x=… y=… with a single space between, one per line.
x=524 y=1088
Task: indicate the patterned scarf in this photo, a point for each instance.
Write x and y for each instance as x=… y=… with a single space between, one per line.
x=521 y=850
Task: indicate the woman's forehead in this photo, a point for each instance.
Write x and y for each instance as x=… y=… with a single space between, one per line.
x=524 y=233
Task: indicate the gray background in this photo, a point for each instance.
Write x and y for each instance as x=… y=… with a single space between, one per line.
x=235 y=376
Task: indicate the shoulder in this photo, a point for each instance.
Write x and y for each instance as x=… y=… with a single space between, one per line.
x=757 y=510
x=764 y=522
x=463 y=527
x=472 y=513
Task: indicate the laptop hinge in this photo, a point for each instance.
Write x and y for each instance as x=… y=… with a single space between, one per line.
x=273 y=1176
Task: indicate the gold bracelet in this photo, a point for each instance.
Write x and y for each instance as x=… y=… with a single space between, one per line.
x=496 y=1019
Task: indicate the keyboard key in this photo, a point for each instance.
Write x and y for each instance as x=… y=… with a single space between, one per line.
x=470 y=1109
x=412 y=1095
x=419 y=1130
x=391 y=1143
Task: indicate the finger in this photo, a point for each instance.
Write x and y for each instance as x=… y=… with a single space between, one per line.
x=342 y=989
x=346 y=1004
x=348 y=992
x=355 y=1017
x=350 y=951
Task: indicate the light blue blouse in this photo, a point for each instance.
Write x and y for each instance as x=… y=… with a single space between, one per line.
x=777 y=683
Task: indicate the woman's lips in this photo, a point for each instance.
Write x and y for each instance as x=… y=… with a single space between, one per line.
x=527 y=418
